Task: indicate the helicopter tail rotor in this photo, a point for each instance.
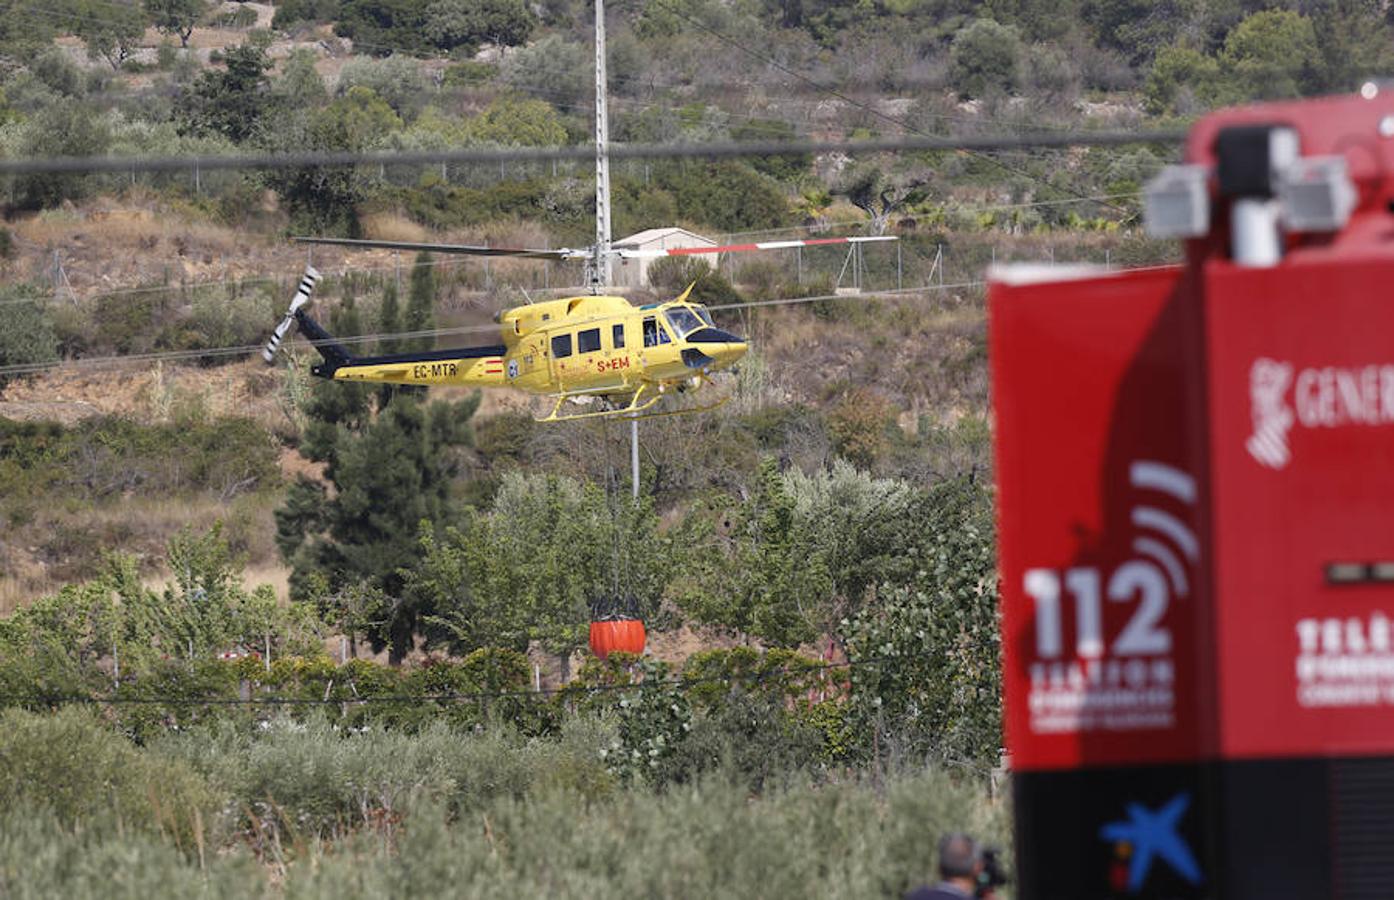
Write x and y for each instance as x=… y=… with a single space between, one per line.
x=302 y=297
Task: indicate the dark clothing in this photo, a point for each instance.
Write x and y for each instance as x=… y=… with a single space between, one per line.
x=941 y=891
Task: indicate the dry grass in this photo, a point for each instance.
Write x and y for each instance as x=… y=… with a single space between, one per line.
x=151 y=393
x=140 y=241
x=388 y=226
x=66 y=544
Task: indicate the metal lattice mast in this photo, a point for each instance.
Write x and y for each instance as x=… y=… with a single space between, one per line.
x=600 y=264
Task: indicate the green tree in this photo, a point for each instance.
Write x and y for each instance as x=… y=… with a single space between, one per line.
x=926 y=654
x=421 y=303
x=357 y=119
x=24 y=36
x=552 y=66
x=389 y=322
x=1181 y=81
x=301 y=515
x=527 y=123
x=390 y=476
x=880 y=190
x=57 y=70
x=1272 y=54
x=728 y=195
x=985 y=57
x=464 y=24
x=1353 y=41
x=1139 y=28
x=175 y=17
x=300 y=85
x=785 y=167
x=26 y=331
x=290 y=13
x=111 y=29
x=230 y=102
x=551 y=553
x=337 y=409
x=65 y=127
x=325 y=199
x=384 y=26
x=396 y=79
x=767 y=585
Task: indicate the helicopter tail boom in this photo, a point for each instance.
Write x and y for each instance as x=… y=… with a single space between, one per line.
x=462 y=365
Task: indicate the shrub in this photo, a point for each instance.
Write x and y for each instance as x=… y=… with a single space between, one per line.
x=72 y=765
x=673 y=274
x=860 y=425
x=63 y=128
x=292 y=12
x=985 y=57
x=42 y=857
x=397 y=80
x=27 y=335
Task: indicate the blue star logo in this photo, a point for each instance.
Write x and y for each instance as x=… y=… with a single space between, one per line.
x=1151 y=835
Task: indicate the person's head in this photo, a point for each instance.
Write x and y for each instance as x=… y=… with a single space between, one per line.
x=959 y=859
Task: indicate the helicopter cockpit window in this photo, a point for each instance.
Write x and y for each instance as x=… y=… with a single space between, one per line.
x=561 y=346
x=705 y=316
x=683 y=321
x=654 y=334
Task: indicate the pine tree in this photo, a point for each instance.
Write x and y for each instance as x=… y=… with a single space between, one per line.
x=389 y=479
x=337 y=408
x=389 y=322
x=421 y=302
x=391 y=472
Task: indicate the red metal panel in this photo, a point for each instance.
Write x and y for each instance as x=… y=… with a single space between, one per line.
x=1301 y=393
x=1099 y=506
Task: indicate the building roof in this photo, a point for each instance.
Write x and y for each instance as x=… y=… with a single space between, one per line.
x=671 y=234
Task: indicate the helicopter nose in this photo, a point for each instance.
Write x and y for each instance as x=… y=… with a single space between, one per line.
x=730 y=352
x=721 y=346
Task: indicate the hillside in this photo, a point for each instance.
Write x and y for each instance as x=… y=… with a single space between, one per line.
x=173 y=267
x=268 y=635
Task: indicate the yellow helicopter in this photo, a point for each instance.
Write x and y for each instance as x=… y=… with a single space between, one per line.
x=596 y=349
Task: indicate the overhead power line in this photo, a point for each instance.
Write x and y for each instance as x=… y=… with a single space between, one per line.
x=713 y=150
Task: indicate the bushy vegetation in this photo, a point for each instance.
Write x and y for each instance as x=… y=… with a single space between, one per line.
x=319 y=813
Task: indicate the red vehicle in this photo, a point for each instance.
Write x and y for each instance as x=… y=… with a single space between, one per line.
x=1196 y=475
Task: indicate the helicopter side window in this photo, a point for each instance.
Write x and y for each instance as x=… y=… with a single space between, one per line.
x=561 y=346
x=588 y=341
x=654 y=333
x=617 y=337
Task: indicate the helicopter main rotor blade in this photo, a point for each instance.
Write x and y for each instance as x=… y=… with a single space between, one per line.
x=464 y=249
x=746 y=248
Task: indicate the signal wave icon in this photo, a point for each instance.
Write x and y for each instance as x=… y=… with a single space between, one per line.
x=1164 y=538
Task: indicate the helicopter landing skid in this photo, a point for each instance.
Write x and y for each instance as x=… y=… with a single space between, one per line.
x=637 y=408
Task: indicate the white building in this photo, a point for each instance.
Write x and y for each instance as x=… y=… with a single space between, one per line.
x=635 y=272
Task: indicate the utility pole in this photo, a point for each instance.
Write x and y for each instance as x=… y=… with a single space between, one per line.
x=634 y=456
x=600 y=264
